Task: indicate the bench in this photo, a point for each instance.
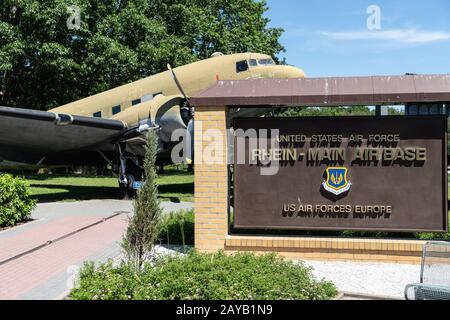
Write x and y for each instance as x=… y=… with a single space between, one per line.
x=434 y=274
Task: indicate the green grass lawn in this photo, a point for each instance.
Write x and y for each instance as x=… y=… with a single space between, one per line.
x=174 y=185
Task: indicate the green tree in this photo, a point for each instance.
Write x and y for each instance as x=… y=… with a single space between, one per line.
x=46 y=60
x=228 y=26
x=331 y=111
x=322 y=111
x=396 y=111
x=143 y=228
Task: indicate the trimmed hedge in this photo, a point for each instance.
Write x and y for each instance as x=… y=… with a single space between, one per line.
x=442 y=236
x=181 y=223
x=177 y=228
x=204 y=277
x=16 y=203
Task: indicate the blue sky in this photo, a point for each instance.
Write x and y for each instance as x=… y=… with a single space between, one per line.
x=331 y=38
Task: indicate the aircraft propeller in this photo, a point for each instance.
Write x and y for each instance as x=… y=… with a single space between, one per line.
x=186 y=113
x=175 y=78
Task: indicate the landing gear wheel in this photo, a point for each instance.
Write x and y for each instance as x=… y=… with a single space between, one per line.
x=130 y=175
x=131 y=192
x=126 y=190
x=123 y=191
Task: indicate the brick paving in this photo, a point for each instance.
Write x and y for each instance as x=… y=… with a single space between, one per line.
x=48 y=273
x=23 y=274
x=39 y=235
x=58 y=286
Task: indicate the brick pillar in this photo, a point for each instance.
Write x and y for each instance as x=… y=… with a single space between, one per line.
x=211 y=182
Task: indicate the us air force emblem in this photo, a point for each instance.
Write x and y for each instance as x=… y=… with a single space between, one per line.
x=336 y=181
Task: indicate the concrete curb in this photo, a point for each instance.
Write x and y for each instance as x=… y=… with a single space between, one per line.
x=339 y=296
x=367 y=296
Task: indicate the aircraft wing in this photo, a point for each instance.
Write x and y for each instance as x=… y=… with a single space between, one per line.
x=29 y=135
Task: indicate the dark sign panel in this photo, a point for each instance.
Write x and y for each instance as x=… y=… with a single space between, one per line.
x=344 y=173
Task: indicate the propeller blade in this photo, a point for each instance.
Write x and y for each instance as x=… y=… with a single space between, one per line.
x=175 y=78
x=190 y=144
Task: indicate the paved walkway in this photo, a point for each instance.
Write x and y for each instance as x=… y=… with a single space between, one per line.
x=39 y=260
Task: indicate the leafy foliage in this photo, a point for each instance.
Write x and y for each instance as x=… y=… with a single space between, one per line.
x=434 y=236
x=347 y=234
x=205 y=277
x=228 y=26
x=44 y=63
x=105 y=282
x=16 y=203
x=329 y=111
x=177 y=228
x=143 y=227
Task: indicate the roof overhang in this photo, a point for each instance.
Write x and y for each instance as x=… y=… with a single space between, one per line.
x=322 y=92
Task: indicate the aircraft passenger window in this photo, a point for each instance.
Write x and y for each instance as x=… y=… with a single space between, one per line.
x=253 y=63
x=266 y=62
x=241 y=66
x=135 y=102
x=147 y=97
x=115 y=110
x=97 y=114
x=157 y=94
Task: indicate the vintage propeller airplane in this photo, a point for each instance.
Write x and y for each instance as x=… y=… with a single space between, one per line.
x=111 y=126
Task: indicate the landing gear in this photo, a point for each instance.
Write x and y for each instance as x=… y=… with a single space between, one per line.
x=130 y=175
x=123 y=191
x=126 y=188
x=131 y=180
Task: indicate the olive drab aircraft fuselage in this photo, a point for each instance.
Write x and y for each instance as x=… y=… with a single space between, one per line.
x=110 y=127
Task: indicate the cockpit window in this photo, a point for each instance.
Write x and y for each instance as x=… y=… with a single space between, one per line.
x=241 y=66
x=266 y=62
x=253 y=63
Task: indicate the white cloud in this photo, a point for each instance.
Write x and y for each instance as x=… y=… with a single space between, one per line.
x=400 y=35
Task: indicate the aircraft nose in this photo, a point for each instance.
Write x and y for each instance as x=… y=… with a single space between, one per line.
x=277 y=72
x=290 y=72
